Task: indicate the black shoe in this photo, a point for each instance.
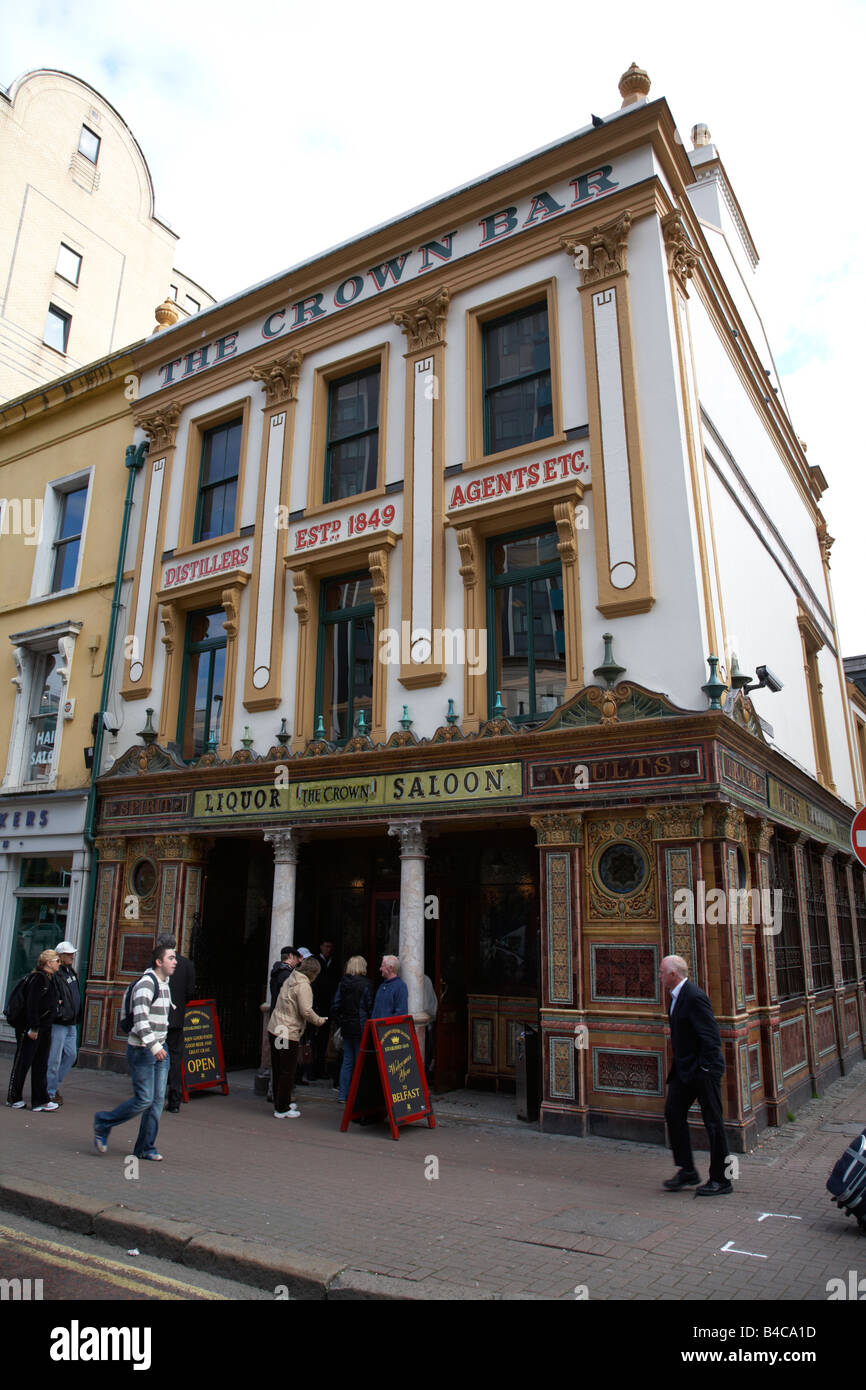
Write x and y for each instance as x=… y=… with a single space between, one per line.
x=714 y=1189
x=173 y=1109
x=683 y=1178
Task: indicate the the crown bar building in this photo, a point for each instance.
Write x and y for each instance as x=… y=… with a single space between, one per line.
x=471 y=557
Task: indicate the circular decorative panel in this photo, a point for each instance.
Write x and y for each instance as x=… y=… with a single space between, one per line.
x=622 y=868
x=143 y=878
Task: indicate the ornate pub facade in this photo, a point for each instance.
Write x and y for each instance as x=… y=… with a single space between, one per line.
x=452 y=552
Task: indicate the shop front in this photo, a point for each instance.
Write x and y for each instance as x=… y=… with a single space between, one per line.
x=533 y=878
x=43 y=865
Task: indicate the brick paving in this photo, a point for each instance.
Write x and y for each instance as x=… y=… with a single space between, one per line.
x=513 y=1213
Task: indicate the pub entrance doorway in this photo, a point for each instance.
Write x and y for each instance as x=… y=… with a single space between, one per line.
x=230 y=943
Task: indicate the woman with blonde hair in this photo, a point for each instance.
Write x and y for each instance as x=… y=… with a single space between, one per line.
x=353 y=1004
x=42 y=1004
x=292 y=1012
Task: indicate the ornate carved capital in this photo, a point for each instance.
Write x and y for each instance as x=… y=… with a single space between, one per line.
x=558 y=828
x=411 y=835
x=603 y=252
x=280 y=378
x=161 y=427
x=760 y=834
x=377 y=563
x=424 y=321
x=181 y=847
x=729 y=823
x=467 y=544
x=285 y=847
x=676 y=822
x=567 y=538
x=682 y=256
x=111 y=849
x=301 y=586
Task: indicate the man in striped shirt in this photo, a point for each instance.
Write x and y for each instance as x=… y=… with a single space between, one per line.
x=147 y=1059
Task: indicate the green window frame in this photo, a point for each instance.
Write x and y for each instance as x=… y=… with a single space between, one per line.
x=535 y=614
x=352 y=446
x=217 y=499
x=344 y=666
x=202 y=685
x=516 y=377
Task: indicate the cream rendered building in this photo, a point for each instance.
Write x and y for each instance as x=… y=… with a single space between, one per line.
x=62 y=486
x=83 y=259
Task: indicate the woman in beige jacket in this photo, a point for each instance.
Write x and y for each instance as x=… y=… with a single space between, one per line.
x=292 y=1012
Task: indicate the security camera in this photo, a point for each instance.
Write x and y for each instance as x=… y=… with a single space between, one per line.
x=767 y=679
x=110 y=722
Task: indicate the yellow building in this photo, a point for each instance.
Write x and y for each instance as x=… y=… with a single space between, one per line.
x=83 y=257
x=62 y=485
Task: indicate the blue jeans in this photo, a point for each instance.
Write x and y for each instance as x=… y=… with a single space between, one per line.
x=62 y=1054
x=148 y=1083
x=350 y=1054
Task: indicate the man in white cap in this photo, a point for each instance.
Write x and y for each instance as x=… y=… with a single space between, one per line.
x=64 y=1033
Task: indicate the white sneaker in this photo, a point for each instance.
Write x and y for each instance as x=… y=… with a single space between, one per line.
x=294 y=1113
x=49 y=1105
x=281 y=1114
x=17 y=1104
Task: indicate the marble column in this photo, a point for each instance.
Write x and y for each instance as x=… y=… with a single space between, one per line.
x=282 y=915
x=283 y=900
x=411 y=836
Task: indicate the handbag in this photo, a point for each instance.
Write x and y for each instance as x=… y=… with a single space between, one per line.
x=306 y=1053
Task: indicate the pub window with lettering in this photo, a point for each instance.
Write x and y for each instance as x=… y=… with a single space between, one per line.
x=202 y=683
x=344 y=677
x=525 y=625
x=352 y=449
x=518 y=404
x=218 y=481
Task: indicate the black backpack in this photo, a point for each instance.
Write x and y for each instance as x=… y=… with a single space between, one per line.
x=16 y=1004
x=126 y=1015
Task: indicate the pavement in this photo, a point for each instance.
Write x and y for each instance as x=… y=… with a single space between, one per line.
x=481 y=1207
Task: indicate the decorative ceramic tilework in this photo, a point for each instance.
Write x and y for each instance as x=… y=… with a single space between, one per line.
x=560 y=972
x=825 y=1028
x=562 y=1069
x=628 y=1073
x=749 y=972
x=756 y=1080
x=777 y=1054
x=93 y=1022
x=167 y=895
x=627 y=973
x=735 y=930
x=745 y=1087
x=482 y=1042
x=107 y=874
x=135 y=953
x=793 y=1042
x=191 y=906
x=678 y=874
x=768 y=937
x=852 y=1022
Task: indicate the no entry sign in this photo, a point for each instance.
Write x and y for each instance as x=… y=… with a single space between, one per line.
x=858 y=835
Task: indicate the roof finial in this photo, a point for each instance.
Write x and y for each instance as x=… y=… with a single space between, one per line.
x=634 y=85
x=701 y=135
x=167 y=314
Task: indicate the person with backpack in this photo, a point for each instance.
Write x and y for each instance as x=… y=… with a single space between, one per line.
x=33 y=1008
x=145 y=1018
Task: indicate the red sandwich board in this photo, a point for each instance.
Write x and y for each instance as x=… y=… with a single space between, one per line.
x=858 y=835
x=203 y=1063
x=389 y=1079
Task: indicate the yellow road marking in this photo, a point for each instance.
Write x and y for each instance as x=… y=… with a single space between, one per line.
x=108 y=1271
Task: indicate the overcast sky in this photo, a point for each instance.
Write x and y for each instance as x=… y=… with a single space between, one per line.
x=276 y=130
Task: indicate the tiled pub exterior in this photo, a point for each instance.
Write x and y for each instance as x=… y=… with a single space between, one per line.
x=568 y=454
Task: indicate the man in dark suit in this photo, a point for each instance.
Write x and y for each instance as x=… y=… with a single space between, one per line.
x=182 y=987
x=696 y=1074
